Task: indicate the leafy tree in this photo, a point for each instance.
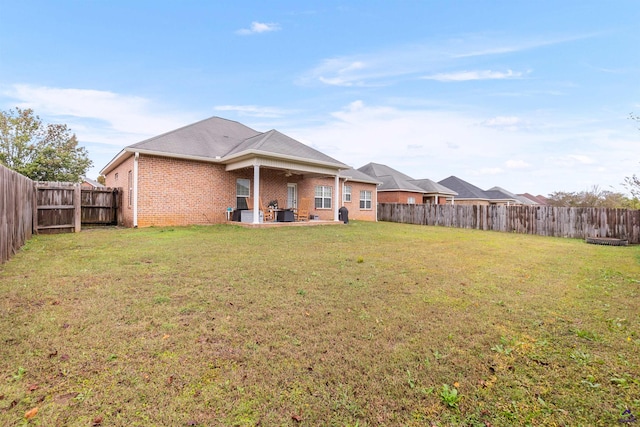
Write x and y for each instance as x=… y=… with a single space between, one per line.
x=595 y=197
x=41 y=152
x=632 y=183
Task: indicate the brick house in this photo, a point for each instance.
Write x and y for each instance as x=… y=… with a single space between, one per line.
x=469 y=194
x=200 y=172
x=397 y=187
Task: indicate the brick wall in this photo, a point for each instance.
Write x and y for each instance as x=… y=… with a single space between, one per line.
x=184 y=192
x=398 y=197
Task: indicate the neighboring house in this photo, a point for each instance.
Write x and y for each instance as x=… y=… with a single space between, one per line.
x=397 y=187
x=200 y=172
x=535 y=200
x=359 y=193
x=89 y=183
x=469 y=194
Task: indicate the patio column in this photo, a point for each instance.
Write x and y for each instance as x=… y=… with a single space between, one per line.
x=256 y=194
x=337 y=199
x=436 y=199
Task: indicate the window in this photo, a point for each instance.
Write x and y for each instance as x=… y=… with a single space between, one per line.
x=365 y=199
x=323 y=197
x=346 y=193
x=130 y=198
x=243 y=190
x=116 y=176
x=411 y=200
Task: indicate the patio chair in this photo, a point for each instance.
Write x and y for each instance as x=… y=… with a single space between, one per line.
x=302 y=213
x=267 y=213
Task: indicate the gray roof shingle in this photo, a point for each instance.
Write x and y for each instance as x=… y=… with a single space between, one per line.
x=212 y=137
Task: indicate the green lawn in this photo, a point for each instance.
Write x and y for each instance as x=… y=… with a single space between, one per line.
x=360 y=325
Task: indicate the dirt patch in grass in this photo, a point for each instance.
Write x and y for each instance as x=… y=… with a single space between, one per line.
x=365 y=324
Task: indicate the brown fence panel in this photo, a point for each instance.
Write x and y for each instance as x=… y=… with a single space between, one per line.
x=56 y=207
x=100 y=206
x=541 y=220
x=16 y=212
x=63 y=207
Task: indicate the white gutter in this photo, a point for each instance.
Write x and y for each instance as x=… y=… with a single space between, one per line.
x=135 y=189
x=338 y=198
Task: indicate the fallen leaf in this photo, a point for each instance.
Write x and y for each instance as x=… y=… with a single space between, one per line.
x=53 y=353
x=170 y=380
x=64 y=357
x=97 y=421
x=456 y=384
x=33 y=387
x=31 y=413
x=296 y=418
x=166 y=336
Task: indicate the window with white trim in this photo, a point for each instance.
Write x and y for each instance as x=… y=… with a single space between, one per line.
x=243 y=190
x=411 y=200
x=346 y=193
x=365 y=199
x=323 y=197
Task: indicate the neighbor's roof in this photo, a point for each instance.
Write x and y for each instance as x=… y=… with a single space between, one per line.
x=217 y=139
x=358 y=176
x=391 y=179
x=499 y=193
x=378 y=170
x=433 y=187
x=464 y=189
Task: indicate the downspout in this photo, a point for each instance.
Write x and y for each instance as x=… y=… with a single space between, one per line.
x=376 y=205
x=135 y=189
x=338 y=199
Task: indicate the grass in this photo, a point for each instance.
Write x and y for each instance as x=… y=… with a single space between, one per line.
x=360 y=325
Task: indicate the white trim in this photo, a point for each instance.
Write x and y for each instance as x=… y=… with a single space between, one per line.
x=136 y=157
x=256 y=194
x=337 y=198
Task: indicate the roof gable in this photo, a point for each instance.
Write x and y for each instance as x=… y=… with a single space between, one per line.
x=378 y=170
x=464 y=189
x=277 y=143
x=433 y=187
x=213 y=137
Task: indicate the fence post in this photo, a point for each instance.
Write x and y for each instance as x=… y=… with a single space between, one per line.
x=77 y=207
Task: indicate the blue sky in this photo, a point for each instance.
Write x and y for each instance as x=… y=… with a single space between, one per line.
x=532 y=96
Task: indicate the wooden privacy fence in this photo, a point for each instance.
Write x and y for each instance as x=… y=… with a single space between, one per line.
x=16 y=211
x=541 y=220
x=64 y=207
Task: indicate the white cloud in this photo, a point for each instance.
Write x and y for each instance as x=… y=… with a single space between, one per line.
x=517 y=164
x=511 y=123
x=259 y=27
x=98 y=116
x=103 y=121
x=407 y=62
x=430 y=143
x=254 y=110
x=462 y=76
x=582 y=159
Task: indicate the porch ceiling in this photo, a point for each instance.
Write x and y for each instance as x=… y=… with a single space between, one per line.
x=283 y=164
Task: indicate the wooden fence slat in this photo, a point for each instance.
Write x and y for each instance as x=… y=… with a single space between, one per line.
x=541 y=220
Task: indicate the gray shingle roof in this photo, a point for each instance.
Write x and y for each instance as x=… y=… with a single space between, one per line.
x=225 y=140
x=464 y=189
x=378 y=170
x=358 y=176
x=274 y=142
x=433 y=187
x=211 y=137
